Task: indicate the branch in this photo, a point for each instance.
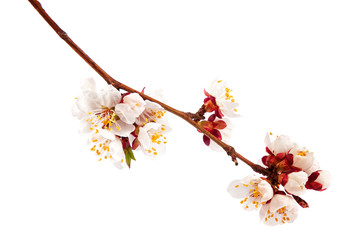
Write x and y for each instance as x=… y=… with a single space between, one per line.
x=187 y=117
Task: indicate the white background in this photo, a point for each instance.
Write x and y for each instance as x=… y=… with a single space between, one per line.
x=294 y=68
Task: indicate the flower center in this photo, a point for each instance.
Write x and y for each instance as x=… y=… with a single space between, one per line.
x=151 y=115
x=101 y=148
x=280 y=216
x=157 y=138
x=105 y=119
x=302 y=153
x=229 y=97
x=253 y=196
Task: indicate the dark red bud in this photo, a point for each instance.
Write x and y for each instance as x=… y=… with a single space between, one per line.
x=264 y=160
x=135 y=144
x=314 y=186
x=209 y=106
x=212 y=117
x=313 y=176
x=218 y=113
x=280 y=156
x=283 y=179
x=217 y=134
x=269 y=151
x=220 y=124
x=207 y=125
x=290 y=158
x=206 y=140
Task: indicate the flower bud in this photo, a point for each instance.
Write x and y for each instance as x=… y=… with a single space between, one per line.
x=319 y=180
x=294 y=183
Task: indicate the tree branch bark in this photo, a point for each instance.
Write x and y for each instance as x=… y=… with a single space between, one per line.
x=186 y=116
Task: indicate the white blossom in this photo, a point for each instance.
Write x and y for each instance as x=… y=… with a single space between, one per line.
x=280 y=210
x=98 y=121
x=106 y=149
x=302 y=158
x=223 y=97
x=253 y=191
x=281 y=144
x=153 y=127
x=96 y=111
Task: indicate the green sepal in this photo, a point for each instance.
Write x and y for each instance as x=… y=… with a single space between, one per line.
x=129 y=155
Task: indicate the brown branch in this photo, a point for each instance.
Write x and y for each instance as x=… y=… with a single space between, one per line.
x=199 y=115
x=229 y=149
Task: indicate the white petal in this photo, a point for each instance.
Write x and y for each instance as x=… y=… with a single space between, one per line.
x=266 y=190
x=324 y=178
x=124 y=128
x=296 y=183
x=217 y=88
x=109 y=96
x=282 y=144
x=131 y=108
x=76 y=112
x=229 y=108
x=237 y=190
x=124 y=112
x=108 y=134
x=280 y=201
x=87 y=84
x=315 y=166
x=144 y=137
x=88 y=102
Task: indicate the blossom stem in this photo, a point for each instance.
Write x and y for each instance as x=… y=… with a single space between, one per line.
x=186 y=116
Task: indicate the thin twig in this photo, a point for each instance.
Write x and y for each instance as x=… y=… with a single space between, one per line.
x=228 y=149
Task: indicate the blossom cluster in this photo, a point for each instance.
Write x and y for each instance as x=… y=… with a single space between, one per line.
x=293 y=170
x=220 y=104
x=116 y=123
